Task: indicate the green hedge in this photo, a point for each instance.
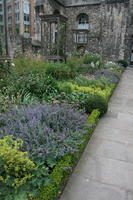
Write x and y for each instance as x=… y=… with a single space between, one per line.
x=65 y=167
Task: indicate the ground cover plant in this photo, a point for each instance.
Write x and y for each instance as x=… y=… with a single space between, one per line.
x=45 y=106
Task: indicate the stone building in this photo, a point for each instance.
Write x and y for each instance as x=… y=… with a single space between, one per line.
x=104 y=27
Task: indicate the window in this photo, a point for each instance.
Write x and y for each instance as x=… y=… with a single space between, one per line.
x=10 y=30
x=1 y=29
x=26 y=28
x=131 y=20
x=1 y=18
x=26 y=7
x=17 y=17
x=17 y=6
x=17 y=29
x=81 y=37
x=9 y=8
x=26 y=17
x=83 y=21
x=10 y=20
x=1 y=8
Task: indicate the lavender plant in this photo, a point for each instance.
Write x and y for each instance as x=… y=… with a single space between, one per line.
x=48 y=131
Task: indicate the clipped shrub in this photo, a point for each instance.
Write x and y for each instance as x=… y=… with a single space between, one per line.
x=15 y=166
x=124 y=63
x=96 y=102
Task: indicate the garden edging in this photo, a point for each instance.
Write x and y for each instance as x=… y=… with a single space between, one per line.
x=65 y=167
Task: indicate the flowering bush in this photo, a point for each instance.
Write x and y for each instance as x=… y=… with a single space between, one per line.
x=112 y=75
x=48 y=131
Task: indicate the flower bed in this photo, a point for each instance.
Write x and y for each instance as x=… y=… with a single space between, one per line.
x=45 y=107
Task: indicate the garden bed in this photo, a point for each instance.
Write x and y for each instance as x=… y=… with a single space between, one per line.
x=49 y=110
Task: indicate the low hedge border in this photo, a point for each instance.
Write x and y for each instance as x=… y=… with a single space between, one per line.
x=64 y=168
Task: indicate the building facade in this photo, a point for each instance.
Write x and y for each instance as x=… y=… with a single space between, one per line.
x=1 y=17
x=20 y=17
x=104 y=27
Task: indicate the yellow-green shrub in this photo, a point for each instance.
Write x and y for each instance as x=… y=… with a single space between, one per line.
x=92 y=90
x=15 y=166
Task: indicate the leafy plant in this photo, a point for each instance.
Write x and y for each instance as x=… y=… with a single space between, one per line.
x=47 y=130
x=1 y=48
x=61 y=71
x=96 y=102
x=124 y=63
x=15 y=166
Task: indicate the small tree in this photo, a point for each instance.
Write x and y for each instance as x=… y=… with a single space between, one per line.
x=1 y=49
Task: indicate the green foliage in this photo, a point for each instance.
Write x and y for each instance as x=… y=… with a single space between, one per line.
x=34 y=85
x=4 y=69
x=92 y=58
x=1 y=48
x=124 y=63
x=5 y=103
x=60 y=71
x=25 y=65
x=87 y=82
x=64 y=167
x=96 y=102
x=74 y=61
x=93 y=118
x=15 y=166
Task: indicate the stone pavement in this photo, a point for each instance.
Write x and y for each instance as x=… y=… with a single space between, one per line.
x=105 y=170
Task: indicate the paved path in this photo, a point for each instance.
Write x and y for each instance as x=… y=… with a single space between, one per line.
x=105 y=171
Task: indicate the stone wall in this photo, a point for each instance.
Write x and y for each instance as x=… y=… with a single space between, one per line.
x=23 y=46
x=107 y=31
x=114 y=30
x=109 y=34
x=94 y=35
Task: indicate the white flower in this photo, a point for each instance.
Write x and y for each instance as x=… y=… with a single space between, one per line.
x=12 y=64
x=6 y=61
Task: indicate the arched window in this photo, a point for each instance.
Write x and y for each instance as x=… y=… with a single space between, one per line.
x=83 y=21
x=56 y=12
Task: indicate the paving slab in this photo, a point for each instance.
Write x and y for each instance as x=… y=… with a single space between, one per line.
x=93 y=190
x=105 y=170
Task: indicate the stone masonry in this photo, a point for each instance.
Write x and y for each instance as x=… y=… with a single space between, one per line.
x=109 y=30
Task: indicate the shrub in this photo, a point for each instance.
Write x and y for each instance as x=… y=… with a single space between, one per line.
x=24 y=65
x=74 y=61
x=95 y=59
x=110 y=64
x=124 y=63
x=86 y=82
x=63 y=169
x=48 y=131
x=61 y=71
x=4 y=69
x=1 y=48
x=96 y=102
x=112 y=75
x=15 y=166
